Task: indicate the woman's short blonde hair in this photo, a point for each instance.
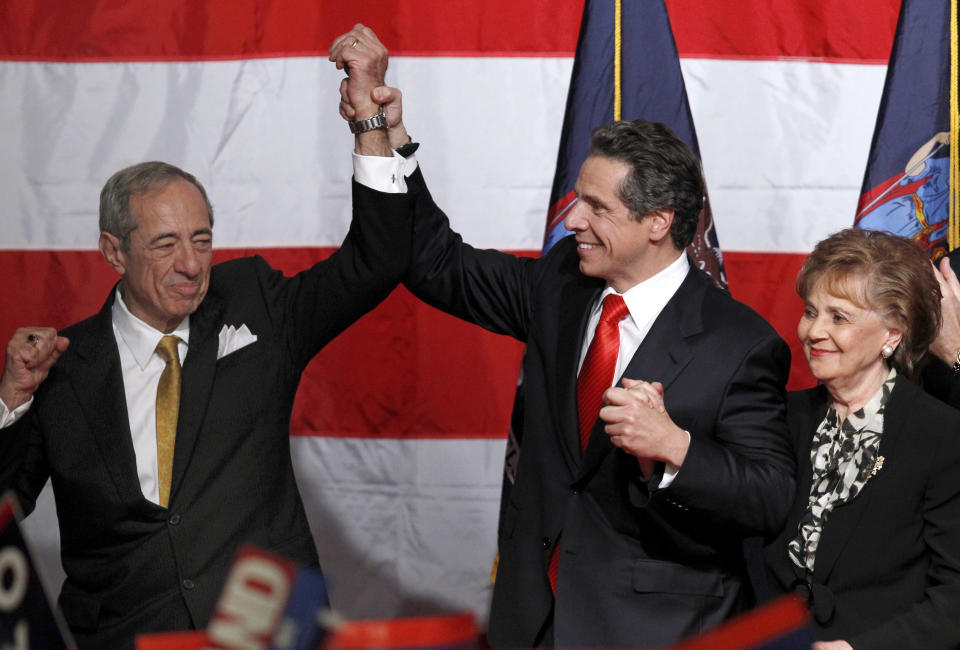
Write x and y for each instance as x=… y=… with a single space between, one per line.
x=888 y=274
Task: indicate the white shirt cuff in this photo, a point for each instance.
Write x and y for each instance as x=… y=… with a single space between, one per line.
x=383 y=174
x=8 y=417
x=670 y=471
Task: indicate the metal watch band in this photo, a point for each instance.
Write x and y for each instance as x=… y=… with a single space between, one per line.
x=377 y=121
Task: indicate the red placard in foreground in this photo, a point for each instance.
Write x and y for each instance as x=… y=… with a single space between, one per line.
x=781 y=625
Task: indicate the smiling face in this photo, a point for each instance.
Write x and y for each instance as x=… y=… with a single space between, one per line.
x=843 y=341
x=166 y=269
x=612 y=244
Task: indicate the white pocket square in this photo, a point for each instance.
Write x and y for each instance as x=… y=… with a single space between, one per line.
x=232 y=339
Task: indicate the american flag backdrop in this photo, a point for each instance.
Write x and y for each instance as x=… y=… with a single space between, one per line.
x=400 y=425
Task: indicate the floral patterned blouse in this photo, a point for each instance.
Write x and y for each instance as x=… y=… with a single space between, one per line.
x=844 y=457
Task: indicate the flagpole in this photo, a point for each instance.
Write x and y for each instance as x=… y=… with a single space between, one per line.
x=617 y=42
x=953 y=229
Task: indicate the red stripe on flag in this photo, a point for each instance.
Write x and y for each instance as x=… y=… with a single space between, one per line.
x=858 y=31
x=93 y=30
x=765 y=281
x=404 y=370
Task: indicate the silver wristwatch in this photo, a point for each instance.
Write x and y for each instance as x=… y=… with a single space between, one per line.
x=377 y=121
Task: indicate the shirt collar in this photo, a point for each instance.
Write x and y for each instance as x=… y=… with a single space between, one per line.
x=141 y=339
x=654 y=292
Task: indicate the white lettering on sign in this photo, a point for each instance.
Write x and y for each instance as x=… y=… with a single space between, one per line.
x=252 y=600
x=21 y=638
x=14 y=577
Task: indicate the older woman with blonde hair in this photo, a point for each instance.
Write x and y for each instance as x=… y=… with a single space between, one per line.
x=872 y=542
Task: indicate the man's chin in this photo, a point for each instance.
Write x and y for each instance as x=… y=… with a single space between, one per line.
x=183 y=307
x=587 y=269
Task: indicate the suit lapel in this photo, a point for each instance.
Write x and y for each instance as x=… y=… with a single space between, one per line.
x=199 y=369
x=665 y=351
x=838 y=530
x=98 y=380
x=803 y=421
x=575 y=312
x=805 y=411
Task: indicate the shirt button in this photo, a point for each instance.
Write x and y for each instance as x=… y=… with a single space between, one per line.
x=546 y=542
x=188 y=584
x=174 y=520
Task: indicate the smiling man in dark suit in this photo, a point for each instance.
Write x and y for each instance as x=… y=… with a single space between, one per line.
x=625 y=524
x=160 y=471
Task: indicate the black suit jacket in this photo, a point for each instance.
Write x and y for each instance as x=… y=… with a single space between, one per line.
x=131 y=565
x=887 y=573
x=639 y=566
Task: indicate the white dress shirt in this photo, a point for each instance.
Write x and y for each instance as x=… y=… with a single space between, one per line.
x=8 y=417
x=141 y=368
x=644 y=301
x=384 y=174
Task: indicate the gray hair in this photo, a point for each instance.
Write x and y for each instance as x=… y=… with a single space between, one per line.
x=115 y=215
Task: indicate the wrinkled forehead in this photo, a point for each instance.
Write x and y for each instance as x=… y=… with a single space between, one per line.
x=177 y=201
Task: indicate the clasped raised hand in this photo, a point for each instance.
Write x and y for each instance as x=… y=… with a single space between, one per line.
x=31 y=352
x=637 y=422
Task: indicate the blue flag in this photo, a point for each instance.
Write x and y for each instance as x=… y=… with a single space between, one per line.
x=650 y=88
x=907 y=181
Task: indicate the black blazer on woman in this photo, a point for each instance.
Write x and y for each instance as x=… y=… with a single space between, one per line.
x=887 y=572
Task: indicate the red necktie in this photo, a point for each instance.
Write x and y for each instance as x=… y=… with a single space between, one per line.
x=596 y=373
x=596 y=376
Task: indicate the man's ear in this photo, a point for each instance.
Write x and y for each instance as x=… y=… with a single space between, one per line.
x=112 y=252
x=660 y=222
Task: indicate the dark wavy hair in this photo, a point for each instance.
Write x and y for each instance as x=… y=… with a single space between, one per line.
x=890 y=275
x=115 y=215
x=665 y=173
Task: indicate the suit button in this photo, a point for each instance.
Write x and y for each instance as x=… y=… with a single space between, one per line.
x=575 y=492
x=188 y=584
x=174 y=520
x=546 y=542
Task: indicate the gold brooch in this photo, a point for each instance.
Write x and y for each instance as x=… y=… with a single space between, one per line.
x=877 y=466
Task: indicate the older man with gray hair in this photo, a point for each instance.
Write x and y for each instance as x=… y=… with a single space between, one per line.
x=163 y=420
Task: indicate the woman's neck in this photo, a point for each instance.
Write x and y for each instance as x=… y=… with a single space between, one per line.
x=849 y=395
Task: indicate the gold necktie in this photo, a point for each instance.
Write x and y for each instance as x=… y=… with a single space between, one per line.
x=168 y=407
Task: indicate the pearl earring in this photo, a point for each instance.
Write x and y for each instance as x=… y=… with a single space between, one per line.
x=886 y=351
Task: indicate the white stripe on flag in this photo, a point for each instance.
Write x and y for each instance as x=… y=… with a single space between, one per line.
x=784 y=144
